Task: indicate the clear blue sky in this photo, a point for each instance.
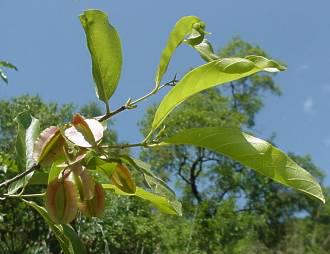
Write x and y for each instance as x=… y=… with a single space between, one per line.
x=45 y=40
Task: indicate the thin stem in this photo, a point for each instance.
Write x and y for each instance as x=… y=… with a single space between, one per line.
x=147 y=137
x=19 y=176
x=33 y=195
x=155 y=90
x=110 y=114
x=126 y=145
x=132 y=104
x=107 y=108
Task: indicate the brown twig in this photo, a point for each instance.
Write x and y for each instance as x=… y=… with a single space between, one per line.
x=19 y=176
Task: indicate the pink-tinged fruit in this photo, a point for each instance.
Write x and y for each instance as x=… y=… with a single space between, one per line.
x=84 y=132
x=61 y=201
x=122 y=178
x=49 y=146
x=95 y=206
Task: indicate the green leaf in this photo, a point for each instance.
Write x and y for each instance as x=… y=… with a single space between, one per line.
x=209 y=75
x=8 y=65
x=28 y=130
x=162 y=203
x=206 y=51
x=77 y=245
x=105 y=48
x=15 y=186
x=54 y=171
x=252 y=152
x=3 y=76
x=156 y=184
x=39 y=178
x=64 y=234
x=181 y=29
x=102 y=166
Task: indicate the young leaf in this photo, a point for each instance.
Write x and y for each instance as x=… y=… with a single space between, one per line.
x=28 y=130
x=252 y=152
x=105 y=48
x=211 y=74
x=181 y=29
x=205 y=50
x=65 y=235
x=162 y=203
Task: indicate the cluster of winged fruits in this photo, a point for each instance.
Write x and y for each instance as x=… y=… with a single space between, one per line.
x=78 y=166
x=62 y=199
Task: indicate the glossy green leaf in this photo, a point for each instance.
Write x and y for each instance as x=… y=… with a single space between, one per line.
x=27 y=133
x=162 y=203
x=105 y=48
x=181 y=29
x=69 y=243
x=252 y=152
x=211 y=74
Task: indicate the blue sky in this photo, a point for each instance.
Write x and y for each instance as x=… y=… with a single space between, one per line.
x=46 y=42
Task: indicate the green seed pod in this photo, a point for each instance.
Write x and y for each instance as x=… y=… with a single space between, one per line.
x=61 y=201
x=95 y=206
